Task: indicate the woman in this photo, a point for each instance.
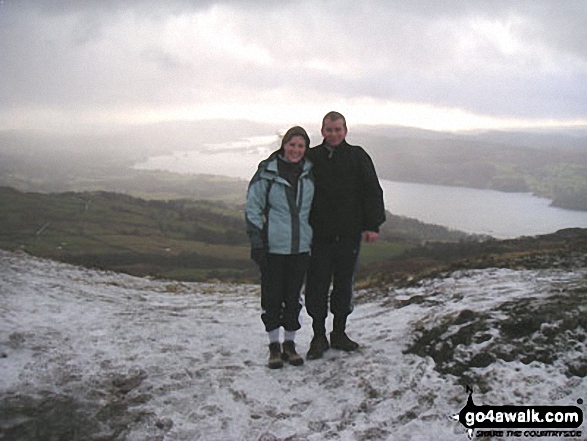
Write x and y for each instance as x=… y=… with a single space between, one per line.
x=279 y=199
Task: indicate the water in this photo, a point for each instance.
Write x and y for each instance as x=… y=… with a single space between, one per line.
x=235 y=159
x=501 y=215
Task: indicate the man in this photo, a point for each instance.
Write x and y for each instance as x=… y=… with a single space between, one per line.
x=347 y=207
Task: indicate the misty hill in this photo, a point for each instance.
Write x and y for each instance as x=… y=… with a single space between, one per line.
x=180 y=239
x=99 y=355
x=47 y=163
x=551 y=163
x=552 y=137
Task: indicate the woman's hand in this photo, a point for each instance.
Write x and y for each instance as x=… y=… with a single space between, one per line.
x=259 y=255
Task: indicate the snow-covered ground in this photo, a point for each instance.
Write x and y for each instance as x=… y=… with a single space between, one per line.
x=89 y=355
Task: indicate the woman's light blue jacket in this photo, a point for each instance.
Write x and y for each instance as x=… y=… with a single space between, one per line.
x=276 y=219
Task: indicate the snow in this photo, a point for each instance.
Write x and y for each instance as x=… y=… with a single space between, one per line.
x=100 y=355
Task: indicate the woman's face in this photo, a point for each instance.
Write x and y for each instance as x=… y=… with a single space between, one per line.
x=295 y=149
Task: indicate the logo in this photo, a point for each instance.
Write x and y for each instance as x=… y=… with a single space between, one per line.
x=520 y=421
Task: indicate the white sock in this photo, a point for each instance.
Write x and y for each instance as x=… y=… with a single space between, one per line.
x=289 y=336
x=274 y=336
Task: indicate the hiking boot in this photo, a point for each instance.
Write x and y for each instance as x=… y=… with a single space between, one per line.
x=339 y=340
x=275 y=361
x=318 y=346
x=289 y=354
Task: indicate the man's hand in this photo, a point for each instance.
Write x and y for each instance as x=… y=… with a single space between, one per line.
x=370 y=236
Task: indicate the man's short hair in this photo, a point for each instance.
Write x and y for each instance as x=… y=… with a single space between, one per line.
x=333 y=116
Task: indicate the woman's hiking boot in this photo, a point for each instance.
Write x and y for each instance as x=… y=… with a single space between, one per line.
x=318 y=346
x=275 y=361
x=339 y=340
x=289 y=354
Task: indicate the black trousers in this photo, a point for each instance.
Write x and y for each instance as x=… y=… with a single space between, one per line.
x=333 y=261
x=282 y=277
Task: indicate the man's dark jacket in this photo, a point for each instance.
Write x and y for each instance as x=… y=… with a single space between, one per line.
x=348 y=198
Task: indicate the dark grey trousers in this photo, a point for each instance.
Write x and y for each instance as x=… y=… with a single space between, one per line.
x=282 y=277
x=333 y=261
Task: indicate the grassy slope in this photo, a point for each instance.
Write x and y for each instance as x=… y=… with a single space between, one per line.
x=203 y=240
x=196 y=240
x=564 y=249
x=180 y=239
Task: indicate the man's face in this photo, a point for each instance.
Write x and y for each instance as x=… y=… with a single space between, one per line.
x=334 y=132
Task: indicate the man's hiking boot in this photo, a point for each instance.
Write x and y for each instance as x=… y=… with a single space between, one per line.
x=318 y=346
x=289 y=354
x=275 y=361
x=339 y=340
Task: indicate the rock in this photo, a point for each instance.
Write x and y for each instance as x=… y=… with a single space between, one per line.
x=16 y=339
x=164 y=423
x=125 y=383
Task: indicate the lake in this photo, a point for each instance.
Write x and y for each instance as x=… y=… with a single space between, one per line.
x=501 y=215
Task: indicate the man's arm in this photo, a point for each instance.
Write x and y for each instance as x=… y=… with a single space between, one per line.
x=372 y=194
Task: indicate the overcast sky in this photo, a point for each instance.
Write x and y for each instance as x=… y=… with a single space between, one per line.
x=426 y=63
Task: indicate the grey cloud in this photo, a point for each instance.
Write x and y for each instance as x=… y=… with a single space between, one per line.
x=78 y=53
x=141 y=7
x=562 y=26
x=58 y=7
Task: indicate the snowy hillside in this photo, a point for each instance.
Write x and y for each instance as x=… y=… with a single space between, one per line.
x=87 y=355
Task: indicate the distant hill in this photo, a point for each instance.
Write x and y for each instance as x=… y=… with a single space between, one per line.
x=103 y=161
x=553 y=165
x=548 y=162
